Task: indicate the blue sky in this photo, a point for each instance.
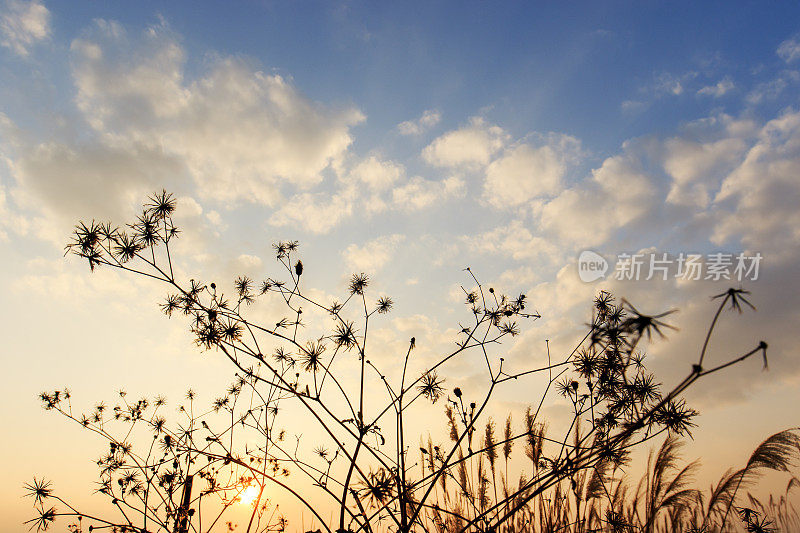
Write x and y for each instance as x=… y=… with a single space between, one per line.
x=407 y=141
x=556 y=67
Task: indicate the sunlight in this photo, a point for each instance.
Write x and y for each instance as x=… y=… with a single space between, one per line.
x=249 y=495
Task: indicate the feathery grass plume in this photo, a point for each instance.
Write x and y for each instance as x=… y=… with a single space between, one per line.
x=508 y=441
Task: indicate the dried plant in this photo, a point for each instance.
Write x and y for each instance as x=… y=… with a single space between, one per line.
x=184 y=475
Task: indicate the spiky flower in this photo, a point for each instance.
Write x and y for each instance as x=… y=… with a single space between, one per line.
x=39 y=490
x=431 y=386
x=161 y=204
x=358 y=283
x=311 y=356
x=384 y=304
x=344 y=335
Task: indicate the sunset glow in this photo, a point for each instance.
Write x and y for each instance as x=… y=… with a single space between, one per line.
x=373 y=254
x=249 y=495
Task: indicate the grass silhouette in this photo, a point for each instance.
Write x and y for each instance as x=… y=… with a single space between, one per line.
x=185 y=475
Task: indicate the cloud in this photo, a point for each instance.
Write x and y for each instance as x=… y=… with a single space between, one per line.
x=429 y=119
x=377 y=174
x=319 y=212
x=516 y=278
x=470 y=146
x=315 y=212
x=757 y=202
x=54 y=183
x=5 y=215
x=696 y=167
x=241 y=134
x=615 y=195
x=513 y=240
x=671 y=84
x=373 y=255
x=525 y=171
x=632 y=106
x=70 y=179
x=772 y=89
x=235 y=133
x=721 y=88
x=789 y=50
x=419 y=193
x=664 y=84
x=23 y=25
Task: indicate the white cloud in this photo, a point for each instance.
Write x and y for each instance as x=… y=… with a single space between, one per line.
x=675 y=85
x=518 y=278
x=789 y=50
x=616 y=194
x=246 y=263
x=757 y=202
x=525 y=172
x=664 y=84
x=770 y=90
x=695 y=167
x=429 y=119
x=315 y=212
x=721 y=88
x=377 y=174
x=320 y=212
x=632 y=106
x=24 y=24
x=419 y=193
x=5 y=215
x=513 y=240
x=59 y=183
x=373 y=255
x=241 y=133
x=472 y=145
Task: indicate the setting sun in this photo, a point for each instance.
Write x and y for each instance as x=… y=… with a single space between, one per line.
x=249 y=495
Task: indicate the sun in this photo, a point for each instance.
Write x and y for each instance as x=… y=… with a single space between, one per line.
x=249 y=494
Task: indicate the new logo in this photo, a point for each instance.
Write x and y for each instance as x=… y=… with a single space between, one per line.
x=591 y=266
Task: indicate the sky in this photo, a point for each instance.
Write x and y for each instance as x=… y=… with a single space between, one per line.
x=407 y=141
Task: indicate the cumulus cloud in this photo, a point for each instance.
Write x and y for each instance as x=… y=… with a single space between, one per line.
x=757 y=202
x=321 y=212
x=315 y=212
x=54 y=183
x=741 y=178
x=615 y=195
x=377 y=174
x=527 y=171
x=469 y=146
x=69 y=180
x=373 y=255
x=789 y=50
x=671 y=84
x=719 y=89
x=372 y=186
x=513 y=240
x=429 y=119
x=695 y=167
x=241 y=133
x=772 y=89
x=419 y=193
x=23 y=25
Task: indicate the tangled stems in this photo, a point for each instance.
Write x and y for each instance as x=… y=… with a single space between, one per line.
x=368 y=476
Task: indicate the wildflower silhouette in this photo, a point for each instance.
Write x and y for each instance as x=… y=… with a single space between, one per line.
x=185 y=475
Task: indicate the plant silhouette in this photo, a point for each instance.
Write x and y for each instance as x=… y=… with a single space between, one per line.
x=185 y=475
